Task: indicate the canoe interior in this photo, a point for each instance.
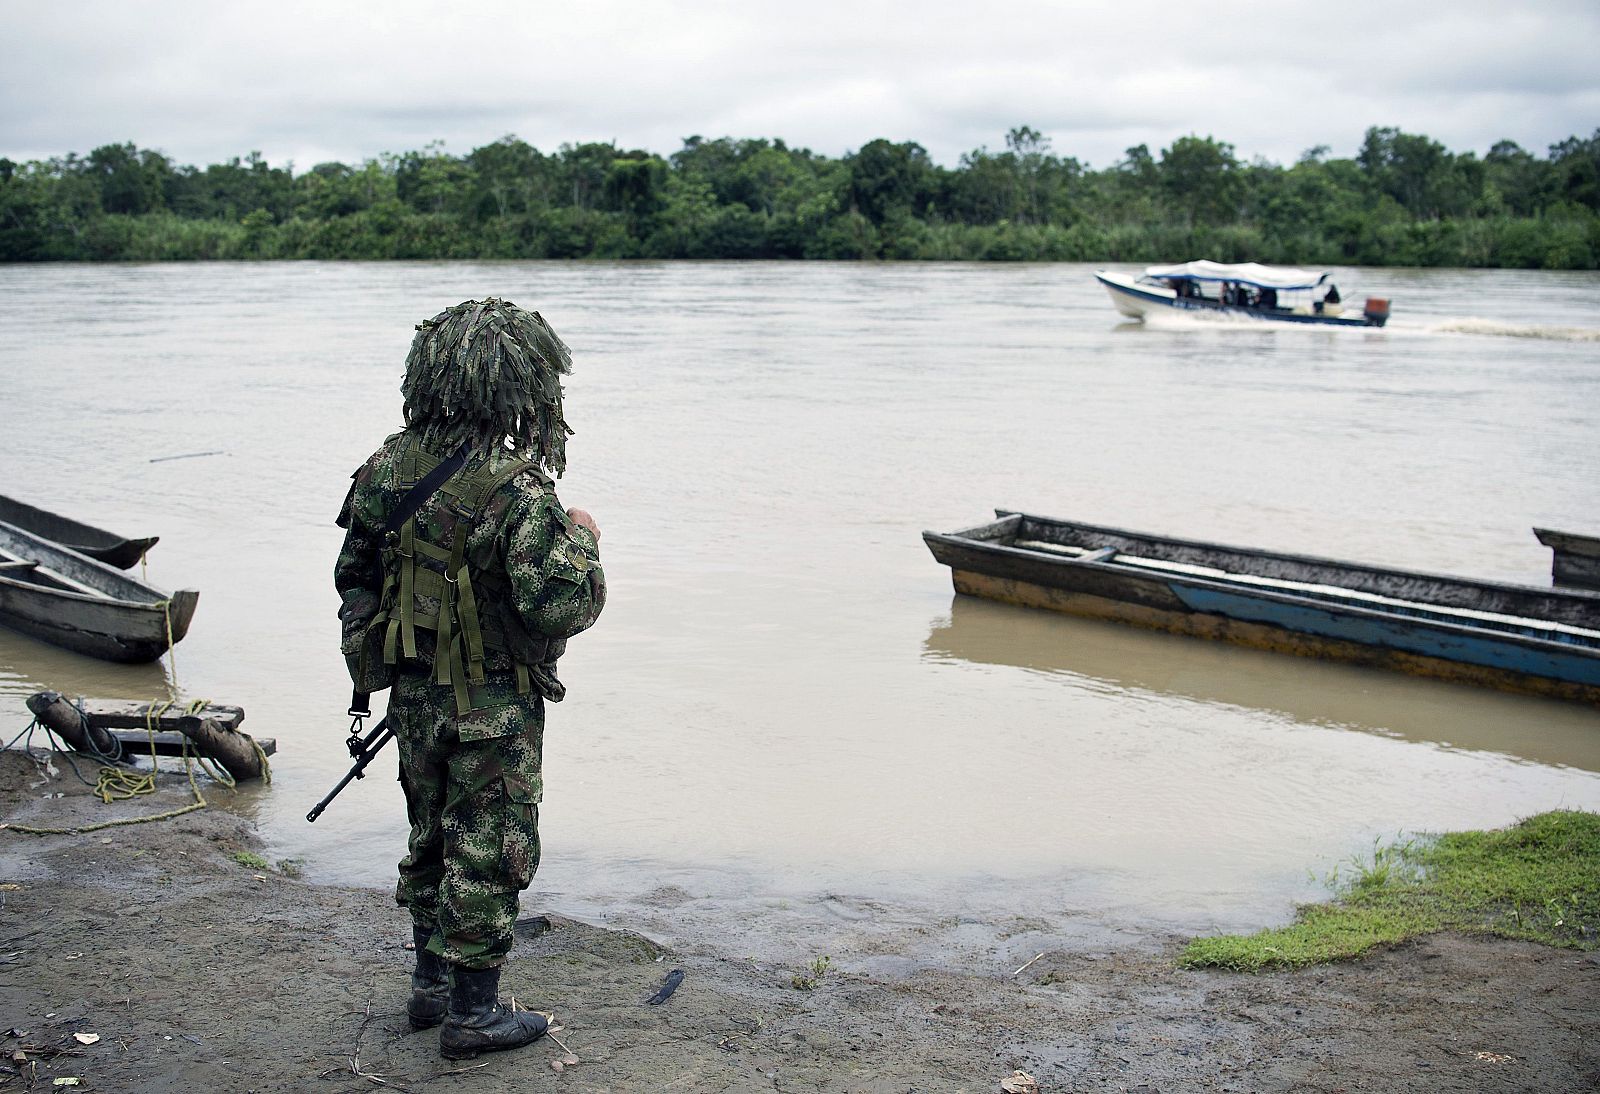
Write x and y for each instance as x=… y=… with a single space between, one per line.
x=1402 y=592
x=61 y=569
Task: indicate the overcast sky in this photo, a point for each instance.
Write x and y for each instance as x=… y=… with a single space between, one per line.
x=311 y=82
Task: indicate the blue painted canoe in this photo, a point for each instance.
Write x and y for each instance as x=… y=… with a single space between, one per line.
x=1517 y=638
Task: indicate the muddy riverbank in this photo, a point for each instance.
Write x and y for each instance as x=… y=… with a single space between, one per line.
x=194 y=967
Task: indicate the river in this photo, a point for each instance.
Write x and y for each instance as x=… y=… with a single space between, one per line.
x=786 y=725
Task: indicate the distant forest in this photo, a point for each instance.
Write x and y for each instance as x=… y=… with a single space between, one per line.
x=1403 y=200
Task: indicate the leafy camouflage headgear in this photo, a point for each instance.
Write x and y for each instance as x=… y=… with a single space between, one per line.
x=485 y=372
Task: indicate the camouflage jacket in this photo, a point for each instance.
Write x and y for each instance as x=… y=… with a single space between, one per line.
x=538 y=572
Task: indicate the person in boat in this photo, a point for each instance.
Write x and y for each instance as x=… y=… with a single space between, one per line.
x=1330 y=302
x=463 y=609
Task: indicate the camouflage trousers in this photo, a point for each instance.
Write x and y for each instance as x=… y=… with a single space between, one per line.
x=472 y=784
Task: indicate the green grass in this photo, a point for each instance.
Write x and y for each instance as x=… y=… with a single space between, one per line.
x=1537 y=880
x=250 y=860
x=815 y=971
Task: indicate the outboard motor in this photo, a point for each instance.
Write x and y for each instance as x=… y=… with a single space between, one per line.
x=1376 y=311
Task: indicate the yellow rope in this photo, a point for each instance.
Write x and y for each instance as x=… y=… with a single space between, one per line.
x=112 y=780
x=172 y=653
x=120 y=784
x=31 y=830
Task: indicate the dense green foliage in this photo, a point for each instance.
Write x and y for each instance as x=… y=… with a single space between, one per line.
x=1537 y=880
x=1403 y=200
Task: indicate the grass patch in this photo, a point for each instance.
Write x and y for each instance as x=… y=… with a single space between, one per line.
x=815 y=971
x=1537 y=880
x=250 y=859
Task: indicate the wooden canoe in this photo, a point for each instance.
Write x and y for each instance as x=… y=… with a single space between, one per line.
x=1575 y=559
x=97 y=543
x=1518 y=638
x=65 y=598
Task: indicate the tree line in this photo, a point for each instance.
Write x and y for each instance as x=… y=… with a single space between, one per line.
x=1402 y=200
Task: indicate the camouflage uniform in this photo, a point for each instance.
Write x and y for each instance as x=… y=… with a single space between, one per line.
x=472 y=780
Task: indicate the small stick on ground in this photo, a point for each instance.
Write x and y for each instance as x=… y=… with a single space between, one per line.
x=560 y=1042
x=1028 y=962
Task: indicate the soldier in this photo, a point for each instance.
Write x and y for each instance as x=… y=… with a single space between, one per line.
x=463 y=607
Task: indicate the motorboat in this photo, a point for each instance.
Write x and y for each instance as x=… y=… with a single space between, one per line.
x=1281 y=294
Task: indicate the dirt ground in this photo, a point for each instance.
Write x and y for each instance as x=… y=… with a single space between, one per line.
x=198 y=973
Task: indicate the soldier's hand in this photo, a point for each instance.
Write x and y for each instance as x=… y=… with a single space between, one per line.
x=582 y=518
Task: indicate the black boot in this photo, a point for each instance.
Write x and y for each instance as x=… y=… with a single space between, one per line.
x=430 y=984
x=476 y=1022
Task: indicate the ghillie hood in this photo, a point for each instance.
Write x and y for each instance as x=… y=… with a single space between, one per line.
x=485 y=373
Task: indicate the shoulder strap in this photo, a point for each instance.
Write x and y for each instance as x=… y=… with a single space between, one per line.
x=419 y=494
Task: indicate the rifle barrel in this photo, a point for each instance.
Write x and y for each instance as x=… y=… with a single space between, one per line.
x=380 y=735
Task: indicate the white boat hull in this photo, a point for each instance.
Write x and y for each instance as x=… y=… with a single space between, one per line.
x=1138 y=301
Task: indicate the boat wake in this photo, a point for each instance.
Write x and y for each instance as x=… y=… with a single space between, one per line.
x=1495 y=329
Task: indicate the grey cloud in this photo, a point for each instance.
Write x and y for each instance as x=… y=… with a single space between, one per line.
x=205 y=81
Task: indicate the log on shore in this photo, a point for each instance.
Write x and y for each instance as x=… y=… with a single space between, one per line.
x=104 y=727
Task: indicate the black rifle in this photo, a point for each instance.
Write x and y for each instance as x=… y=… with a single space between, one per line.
x=364 y=749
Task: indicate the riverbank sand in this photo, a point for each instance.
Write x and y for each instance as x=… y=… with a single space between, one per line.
x=186 y=967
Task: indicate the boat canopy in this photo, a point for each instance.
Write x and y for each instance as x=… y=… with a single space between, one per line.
x=1245 y=273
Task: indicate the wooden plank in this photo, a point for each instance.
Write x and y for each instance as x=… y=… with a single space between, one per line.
x=125 y=714
x=171 y=743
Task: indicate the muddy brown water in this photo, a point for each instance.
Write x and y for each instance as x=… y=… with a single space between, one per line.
x=786 y=727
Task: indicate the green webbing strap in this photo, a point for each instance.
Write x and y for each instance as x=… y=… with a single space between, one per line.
x=391 y=633
x=481 y=490
x=441 y=645
x=524 y=682
x=408 y=599
x=408 y=462
x=426 y=583
x=471 y=627
x=391 y=640
x=447 y=655
x=471 y=631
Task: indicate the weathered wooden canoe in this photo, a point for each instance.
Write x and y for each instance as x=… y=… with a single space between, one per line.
x=1575 y=559
x=56 y=594
x=1542 y=641
x=97 y=543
